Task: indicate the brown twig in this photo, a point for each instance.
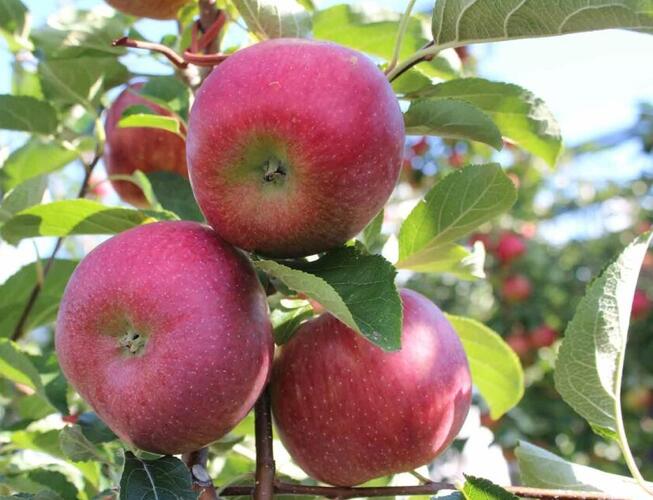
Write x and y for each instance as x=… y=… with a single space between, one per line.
x=267 y=486
x=265 y=469
x=31 y=301
x=282 y=488
x=204 y=48
x=202 y=483
x=170 y=54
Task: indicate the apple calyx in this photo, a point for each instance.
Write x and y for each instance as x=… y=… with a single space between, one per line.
x=133 y=342
x=275 y=171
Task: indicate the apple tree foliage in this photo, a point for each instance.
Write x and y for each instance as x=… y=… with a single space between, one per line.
x=66 y=72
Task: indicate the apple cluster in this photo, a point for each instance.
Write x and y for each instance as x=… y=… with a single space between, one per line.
x=292 y=147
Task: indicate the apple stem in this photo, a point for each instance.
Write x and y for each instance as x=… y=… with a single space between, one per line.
x=19 y=329
x=208 y=41
x=265 y=468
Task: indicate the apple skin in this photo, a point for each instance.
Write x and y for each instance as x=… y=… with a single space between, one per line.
x=139 y=148
x=325 y=114
x=348 y=412
x=516 y=288
x=509 y=248
x=198 y=306
x=155 y=9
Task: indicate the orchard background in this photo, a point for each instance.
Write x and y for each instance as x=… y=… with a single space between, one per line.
x=565 y=215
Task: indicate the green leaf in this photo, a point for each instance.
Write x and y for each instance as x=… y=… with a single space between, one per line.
x=496 y=370
x=452 y=259
x=150 y=120
x=23 y=196
x=169 y=92
x=94 y=429
x=453 y=119
x=461 y=22
x=68 y=217
x=16 y=366
x=372 y=237
x=167 y=477
x=357 y=289
x=54 y=481
x=517 y=113
x=286 y=320
x=27 y=114
x=478 y=488
x=31 y=408
x=56 y=390
x=25 y=81
x=455 y=206
x=540 y=468
x=40 y=495
x=15 y=292
x=76 y=447
x=591 y=356
x=46 y=442
x=80 y=33
x=13 y=24
x=412 y=82
x=367 y=28
x=36 y=158
x=80 y=80
x=271 y=19
x=174 y=193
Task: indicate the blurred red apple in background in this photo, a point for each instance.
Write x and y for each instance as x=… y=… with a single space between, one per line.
x=641 y=304
x=420 y=147
x=516 y=288
x=519 y=343
x=510 y=247
x=543 y=336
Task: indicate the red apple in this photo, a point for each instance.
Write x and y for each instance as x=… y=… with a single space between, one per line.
x=293 y=146
x=543 y=336
x=648 y=261
x=348 y=411
x=484 y=238
x=164 y=331
x=519 y=343
x=463 y=53
x=509 y=248
x=420 y=147
x=156 y=9
x=136 y=148
x=516 y=288
x=638 y=398
x=641 y=304
x=456 y=160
